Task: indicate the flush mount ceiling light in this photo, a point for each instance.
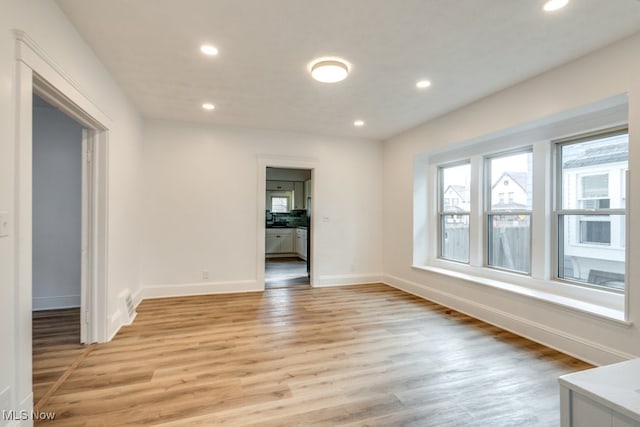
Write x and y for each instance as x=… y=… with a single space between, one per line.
x=553 y=5
x=329 y=70
x=423 y=84
x=358 y=123
x=208 y=106
x=209 y=50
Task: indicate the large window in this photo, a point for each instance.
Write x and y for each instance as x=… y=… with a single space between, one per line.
x=590 y=209
x=509 y=220
x=453 y=211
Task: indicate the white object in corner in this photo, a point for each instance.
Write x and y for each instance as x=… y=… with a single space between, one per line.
x=604 y=396
x=127 y=307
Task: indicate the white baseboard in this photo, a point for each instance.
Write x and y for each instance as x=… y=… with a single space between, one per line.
x=347 y=279
x=58 y=302
x=573 y=345
x=186 y=289
x=137 y=297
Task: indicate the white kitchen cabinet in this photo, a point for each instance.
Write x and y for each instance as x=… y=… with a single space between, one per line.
x=301 y=242
x=604 y=396
x=279 y=241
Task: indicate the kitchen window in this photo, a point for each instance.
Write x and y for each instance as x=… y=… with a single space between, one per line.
x=279 y=204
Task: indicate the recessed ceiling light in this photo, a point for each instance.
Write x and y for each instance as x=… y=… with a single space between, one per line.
x=423 y=84
x=207 y=49
x=552 y=5
x=208 y=106
x=329 y=70
x=358 y=123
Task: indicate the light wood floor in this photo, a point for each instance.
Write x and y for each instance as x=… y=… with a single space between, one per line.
x=285 y=272
x=360 y=355
x=56 y=344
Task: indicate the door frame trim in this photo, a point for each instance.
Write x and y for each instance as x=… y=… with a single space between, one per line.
x=285 y=163
x=37 y=73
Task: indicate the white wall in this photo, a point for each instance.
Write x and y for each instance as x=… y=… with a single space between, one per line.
x=57 y=208
x=200 y=198
x=48 y=27
x=602 y=74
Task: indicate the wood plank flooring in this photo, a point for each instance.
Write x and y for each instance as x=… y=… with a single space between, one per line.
x=56 y=344
x=285 y=272
x=359 y=355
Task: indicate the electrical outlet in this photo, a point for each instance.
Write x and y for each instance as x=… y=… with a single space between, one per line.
x=205 y=274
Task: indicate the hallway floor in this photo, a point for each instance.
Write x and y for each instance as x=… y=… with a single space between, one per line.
x=56 y=345
x=285 y=272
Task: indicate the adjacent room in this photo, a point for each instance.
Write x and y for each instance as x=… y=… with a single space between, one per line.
x=288 y=212
x=283 y=212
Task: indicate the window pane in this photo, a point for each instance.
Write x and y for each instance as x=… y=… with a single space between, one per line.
x=454 y=243
x=511 y=175
x=594 y=229
x=279 y=204
x=595 y=186
x=593 y=173
x=510 y=242
x=454 y=190
x=591 y=249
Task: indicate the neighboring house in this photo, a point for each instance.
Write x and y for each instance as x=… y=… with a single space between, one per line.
x=509 y=191
x=595 y=243
x=456 y=199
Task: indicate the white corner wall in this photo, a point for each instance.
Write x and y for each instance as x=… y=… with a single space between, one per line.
x=611 y=71
x=57 y=209
x=47 y=26
x=200 y=196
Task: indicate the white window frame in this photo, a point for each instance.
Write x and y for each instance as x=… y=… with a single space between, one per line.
x=442 y=213
x=542 y=283
x=489 y=213
x=559 y=211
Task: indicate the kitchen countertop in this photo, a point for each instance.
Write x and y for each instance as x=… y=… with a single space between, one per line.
x=615 y=386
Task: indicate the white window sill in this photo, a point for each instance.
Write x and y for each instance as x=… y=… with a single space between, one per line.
x=547 y=291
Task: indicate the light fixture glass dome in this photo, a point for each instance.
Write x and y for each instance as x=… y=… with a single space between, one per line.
x=209 y=50
x=552 y=5
x=329 y=71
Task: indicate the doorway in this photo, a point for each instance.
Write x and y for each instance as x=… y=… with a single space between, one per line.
x=287 y=222
x=37 y=74
x=58 y=176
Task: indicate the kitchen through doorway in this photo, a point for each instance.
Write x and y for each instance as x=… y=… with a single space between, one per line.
x=288 y=216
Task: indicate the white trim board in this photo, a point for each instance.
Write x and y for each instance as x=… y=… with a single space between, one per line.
x=190 y=289
x=35 y=70
x=348 y=279
x=572 y=345
x=263 y=162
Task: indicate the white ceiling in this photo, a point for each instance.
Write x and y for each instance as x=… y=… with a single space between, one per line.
x=467 y=48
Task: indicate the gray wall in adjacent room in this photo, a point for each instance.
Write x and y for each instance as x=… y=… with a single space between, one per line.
x=57 y=208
